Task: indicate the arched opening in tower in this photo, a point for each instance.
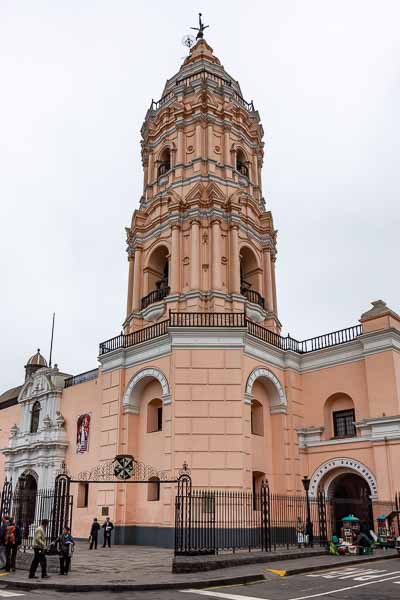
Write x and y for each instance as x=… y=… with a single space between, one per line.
x=241 y=163
x=249 y=277
x=157 y=276
x=165 y=162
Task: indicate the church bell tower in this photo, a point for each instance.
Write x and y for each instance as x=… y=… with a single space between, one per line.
x=201 y=240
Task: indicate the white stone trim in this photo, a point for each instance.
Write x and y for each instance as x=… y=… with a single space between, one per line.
x=131 y=399
x=279 y=403
x=344 y=464
x=380 y=428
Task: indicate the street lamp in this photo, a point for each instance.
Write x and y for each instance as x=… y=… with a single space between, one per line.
x=309 y=526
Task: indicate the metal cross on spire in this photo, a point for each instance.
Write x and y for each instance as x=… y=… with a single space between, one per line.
x=200 y=29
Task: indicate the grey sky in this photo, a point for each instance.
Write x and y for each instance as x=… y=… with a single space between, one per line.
x=76 y=80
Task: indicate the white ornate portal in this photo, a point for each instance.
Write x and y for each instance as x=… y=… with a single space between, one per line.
x=38 y=442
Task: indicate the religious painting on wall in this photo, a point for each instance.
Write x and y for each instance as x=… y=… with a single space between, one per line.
x=82 y=433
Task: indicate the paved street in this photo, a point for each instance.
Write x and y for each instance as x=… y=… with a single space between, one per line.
x=378 y=580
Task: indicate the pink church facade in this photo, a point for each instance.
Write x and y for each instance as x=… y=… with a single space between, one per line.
x=201 y=373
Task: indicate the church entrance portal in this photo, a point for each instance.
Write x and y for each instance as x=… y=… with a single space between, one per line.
x=350 y=495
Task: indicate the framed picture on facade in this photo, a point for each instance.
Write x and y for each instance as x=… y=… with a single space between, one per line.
x=82 y=433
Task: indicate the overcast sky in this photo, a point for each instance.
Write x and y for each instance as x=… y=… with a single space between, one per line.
x=76 y=80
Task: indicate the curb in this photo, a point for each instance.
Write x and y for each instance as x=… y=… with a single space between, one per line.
x=180 y=585
x=131 y=587
x=327 y=567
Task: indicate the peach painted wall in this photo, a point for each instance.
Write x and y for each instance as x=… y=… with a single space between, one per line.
x=8 y=417
x=77 y=400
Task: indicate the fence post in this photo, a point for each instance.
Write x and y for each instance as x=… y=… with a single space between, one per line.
x=6 y=498
x=61 y=506
x=183 y=512
x=323 y=540
x=266 y=516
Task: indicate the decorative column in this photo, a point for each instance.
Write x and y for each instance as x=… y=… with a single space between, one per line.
x=268 y=295
x=131 y=259
x=195 y=256
x=235 y=260
x=227 y=152
x=137 y=271
x=174 y=264
x=209 y=140
x=216 y=256
x=180 y=149
x=274 y=285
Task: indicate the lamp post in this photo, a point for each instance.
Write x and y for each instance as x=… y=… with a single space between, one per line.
x=309 y=526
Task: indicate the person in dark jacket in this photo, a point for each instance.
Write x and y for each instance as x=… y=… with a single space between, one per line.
x=12 y=540
x=94 y=533
x=108 y=527
x=65 y=546
x=3 y=527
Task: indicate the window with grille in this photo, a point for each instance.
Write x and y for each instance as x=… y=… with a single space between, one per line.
x=343 y=423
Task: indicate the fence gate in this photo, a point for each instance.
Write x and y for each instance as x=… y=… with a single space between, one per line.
x=207 y=521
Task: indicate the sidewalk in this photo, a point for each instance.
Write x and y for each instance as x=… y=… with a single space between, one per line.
x=147 y=568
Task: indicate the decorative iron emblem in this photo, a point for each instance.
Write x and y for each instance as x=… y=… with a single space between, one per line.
x=124 y=466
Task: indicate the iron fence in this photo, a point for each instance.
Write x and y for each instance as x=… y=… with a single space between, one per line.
x=211 y=521
x=29 y=507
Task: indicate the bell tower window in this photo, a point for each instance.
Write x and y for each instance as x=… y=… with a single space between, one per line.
x=35 y=417
x=158 y=276
x=241 y=164
x=165 y=162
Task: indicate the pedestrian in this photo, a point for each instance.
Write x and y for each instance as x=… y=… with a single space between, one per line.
x=94 y=533
x=108 y=527
x=65 y=544
x=39 y=549
x=12 y=541
x=3 y=527
x=300 y=531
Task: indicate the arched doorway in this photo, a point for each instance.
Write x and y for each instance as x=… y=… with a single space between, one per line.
x=25 y=502
x=350 y=495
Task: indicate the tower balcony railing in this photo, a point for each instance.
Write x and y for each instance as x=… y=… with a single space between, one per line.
x=253 y=296
x=231 y=320
x=155 y=296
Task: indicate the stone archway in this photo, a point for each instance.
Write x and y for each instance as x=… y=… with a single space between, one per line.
x=131 y=399
x=350 y=494
x=278 y=400
x=325 y=473
x=25 y=500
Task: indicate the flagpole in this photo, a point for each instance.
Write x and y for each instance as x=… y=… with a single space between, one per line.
x=51 y=343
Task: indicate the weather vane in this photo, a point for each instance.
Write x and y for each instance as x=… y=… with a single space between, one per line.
x=200 y=29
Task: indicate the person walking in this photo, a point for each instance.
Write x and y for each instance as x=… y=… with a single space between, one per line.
x=108 y=527
x=65 y=544
x=3 y=527
x=94 y=534
x=39 y=549
x=12 y=541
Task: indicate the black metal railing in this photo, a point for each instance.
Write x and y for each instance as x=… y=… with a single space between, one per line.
x=252 y=296
x=81 y=378
x=177 y=319
x=155 y=296
x=203 y=75
x=137 y=337
x=330 y=339
x=192 y=319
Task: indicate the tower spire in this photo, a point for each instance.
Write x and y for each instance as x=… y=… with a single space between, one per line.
x=200 y=29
